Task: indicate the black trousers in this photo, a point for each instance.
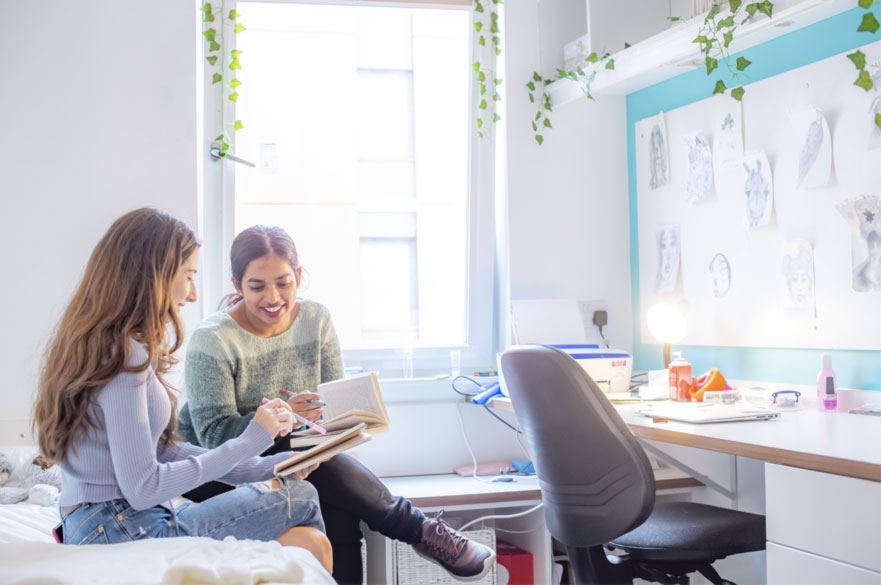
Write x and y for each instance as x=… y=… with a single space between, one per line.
x=348 y=493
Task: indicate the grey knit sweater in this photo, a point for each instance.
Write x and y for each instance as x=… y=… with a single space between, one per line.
x=122 y=457
x=229 y=370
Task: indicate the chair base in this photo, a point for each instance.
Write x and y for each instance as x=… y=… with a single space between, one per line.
x=592 y=566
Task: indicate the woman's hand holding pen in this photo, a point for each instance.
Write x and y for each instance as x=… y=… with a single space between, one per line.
x=275 y=416
x=306 y=404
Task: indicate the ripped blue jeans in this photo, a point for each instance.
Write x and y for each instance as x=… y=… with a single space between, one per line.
x=251 y=511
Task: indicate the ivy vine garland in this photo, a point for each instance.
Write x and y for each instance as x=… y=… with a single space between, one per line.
x=484 y=76
x=217 y=59
x=870 y=25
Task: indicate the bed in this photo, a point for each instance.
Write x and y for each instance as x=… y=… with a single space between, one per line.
x=30 y=555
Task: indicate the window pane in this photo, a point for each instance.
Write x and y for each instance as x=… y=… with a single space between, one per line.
x=358 y=118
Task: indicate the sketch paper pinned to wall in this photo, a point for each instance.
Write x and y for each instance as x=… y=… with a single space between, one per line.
x=758 y=189
x=874 y=130
x=700 y=167
x=797 y=268
x=653 y=139
x=863 y=215
x=668 y=240
x=728 y=141
x=720 y=275
x=815 y=155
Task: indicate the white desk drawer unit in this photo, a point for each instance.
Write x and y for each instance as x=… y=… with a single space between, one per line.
x=828 y=527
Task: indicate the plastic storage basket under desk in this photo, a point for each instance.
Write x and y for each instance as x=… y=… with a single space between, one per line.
x=411 y=569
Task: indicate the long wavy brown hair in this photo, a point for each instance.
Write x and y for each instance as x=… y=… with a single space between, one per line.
x=125 y=295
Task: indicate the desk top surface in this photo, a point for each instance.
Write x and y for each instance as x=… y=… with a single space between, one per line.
x=833 y=442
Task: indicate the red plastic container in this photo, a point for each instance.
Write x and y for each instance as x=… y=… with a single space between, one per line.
x=680 y=378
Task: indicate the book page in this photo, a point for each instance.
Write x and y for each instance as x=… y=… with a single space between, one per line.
x=359 y=392
x=323 y=450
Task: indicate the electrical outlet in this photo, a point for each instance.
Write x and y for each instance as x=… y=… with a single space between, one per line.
x=592 y=332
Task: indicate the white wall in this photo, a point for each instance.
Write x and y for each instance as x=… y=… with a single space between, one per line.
x=568 y=208
x=99 y=117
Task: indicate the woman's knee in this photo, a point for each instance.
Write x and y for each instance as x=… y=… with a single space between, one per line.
x=312 y=540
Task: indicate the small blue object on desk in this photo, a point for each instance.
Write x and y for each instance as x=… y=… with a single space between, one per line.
x=487 y=392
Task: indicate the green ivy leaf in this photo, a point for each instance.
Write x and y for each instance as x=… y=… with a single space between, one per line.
x=478 y=26
x=497 y=40
x=734 y=5
x=547 y=106
x=751 y=9
x=538 y=115
x=592 y=58
x=209 y=34
x=714 y=11
x=234 y=96
x=878 y=120
x=481 y=76
x=497 y=1
x=496 y=117
x=700 y=39
x=494 y=27
x=869 y=24
x=627 y=45
x=234 y=64
x=498 y=51
x=737 y=93
x=534 y=127
x=711 y=64
x=866 y=4
x=536 y=76
x=728 y=36
x=482 y=88
x=476 y=66
x=727 y=22
x=208 y=17
x=561 y=73
x=610 y=64
x=547 y=123
x=531 y=99
x=220 y=137
x=239 y=28
x=206 y=8
x=539 y=139
x=859 y=59
x=479 y=133
x=497 y=97
x=214 y=46
x=235 y=83
x=233 y=14
x=766 y=7
x=482 y=105
x=674 y=18
x=235 y=53
x=480 y=122
x=743 y=63
x=478 y=7
x=238 y=125
x=212 y=59
x=864 y=80
x=720 y=87
x=531 y=86
x=481 y=41
x=496 y=81
x=224 y=146
x=216 y=78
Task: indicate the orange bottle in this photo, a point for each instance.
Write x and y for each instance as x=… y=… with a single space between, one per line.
x=680 y=378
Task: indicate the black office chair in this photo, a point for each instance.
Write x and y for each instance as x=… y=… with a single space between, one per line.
x=598 y=488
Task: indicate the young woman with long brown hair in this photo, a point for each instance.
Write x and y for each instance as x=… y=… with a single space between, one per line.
x=105 y=413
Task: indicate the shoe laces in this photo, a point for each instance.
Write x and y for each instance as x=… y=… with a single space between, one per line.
x=444 y=539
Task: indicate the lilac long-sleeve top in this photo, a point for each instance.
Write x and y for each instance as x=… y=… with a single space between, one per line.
x=121 y=457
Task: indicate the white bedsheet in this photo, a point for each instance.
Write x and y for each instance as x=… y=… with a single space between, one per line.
x=26 y=521
x=164 y=561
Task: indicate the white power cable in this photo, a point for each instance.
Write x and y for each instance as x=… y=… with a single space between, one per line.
x=496 y=516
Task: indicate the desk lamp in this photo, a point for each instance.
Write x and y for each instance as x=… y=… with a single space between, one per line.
x=667 y=324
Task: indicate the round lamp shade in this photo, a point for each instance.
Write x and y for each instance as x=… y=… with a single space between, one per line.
x=665 y=322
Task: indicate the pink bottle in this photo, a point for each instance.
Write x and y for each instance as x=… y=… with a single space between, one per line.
x=826 y=371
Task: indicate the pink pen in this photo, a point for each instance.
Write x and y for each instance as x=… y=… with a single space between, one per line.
x=318 y=428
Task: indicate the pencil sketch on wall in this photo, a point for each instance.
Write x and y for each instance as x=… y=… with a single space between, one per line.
x=797 y=268
x=815 y=158
x=700 y=167
x=720 y=275
x=658 y=167
x=728 y=139
x=758 y=190
x=668 y=241
x=863 y=215
x=874 y=130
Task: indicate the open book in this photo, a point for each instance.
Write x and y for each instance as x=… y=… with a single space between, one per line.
x=325 y=450
x=349 y=401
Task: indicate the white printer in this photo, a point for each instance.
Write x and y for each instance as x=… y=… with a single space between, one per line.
x=609 y=368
